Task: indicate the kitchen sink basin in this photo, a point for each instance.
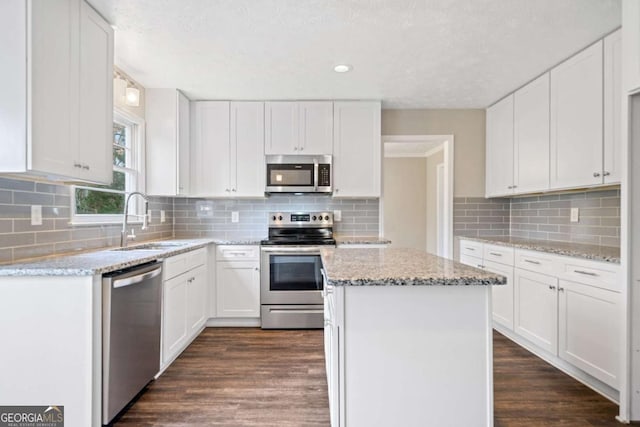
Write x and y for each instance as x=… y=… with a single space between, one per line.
x=156 y=246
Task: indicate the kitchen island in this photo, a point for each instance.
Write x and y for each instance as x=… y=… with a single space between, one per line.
x=408 y=339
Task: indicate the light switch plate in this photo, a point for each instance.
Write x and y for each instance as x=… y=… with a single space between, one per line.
x=337 y=216
x=163 y=217
x=36 y=215
x=235 y=216
x=575 y=215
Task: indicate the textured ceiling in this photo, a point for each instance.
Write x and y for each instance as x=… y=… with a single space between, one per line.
x=408 y=53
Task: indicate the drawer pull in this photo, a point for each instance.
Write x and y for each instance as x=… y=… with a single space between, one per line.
x=553 y=288
x=532 y=262
x=469 y=249
x=495 y=254
x=235 y=253
x=561 y=289
x=479 y=266
x=586 y=273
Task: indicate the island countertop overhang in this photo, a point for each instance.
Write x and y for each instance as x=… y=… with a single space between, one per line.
x=399 y=267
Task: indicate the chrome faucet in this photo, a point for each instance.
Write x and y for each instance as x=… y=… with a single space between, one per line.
x=124 y=237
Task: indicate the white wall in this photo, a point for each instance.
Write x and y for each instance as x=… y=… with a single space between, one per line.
x=432 y=201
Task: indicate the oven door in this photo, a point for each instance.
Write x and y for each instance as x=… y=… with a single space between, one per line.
x=291 y=275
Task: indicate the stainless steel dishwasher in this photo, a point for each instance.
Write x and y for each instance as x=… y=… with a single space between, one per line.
x=131 y=319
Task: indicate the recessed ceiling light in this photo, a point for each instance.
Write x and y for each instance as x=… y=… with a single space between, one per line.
x=342 y=68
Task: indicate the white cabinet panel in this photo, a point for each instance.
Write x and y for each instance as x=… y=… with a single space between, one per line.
x=238 y=288
x=96 y=96
x=499 y=149
x=196 y=299
x=281 y=128
x=536 y=309
x=247 y=149
x=210 y=146
x=589 y=326
x=174 y=317
x=531 y=137
x=167 y=113
x=577 y=120
x=502 y=296
x=56 y=109
x=356 y=149
x=299 y=127
x=612 y=169
x=316 y=127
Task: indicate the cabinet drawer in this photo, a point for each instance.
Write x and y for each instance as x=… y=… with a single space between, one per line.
x=538 y=262
x=471 y=261
x=179 y=264
x=237 y=253
x=499 y=254
x=471 y=248
x=599 y=274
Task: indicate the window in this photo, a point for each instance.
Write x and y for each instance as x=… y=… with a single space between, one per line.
x=105 y=203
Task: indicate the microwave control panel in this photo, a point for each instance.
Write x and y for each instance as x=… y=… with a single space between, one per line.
x=324 y=175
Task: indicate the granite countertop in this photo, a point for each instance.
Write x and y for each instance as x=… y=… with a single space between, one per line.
x=578 y=250
x=361 y=240
x=400 y=267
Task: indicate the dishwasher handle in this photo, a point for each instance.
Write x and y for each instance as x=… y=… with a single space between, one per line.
x=119 y=283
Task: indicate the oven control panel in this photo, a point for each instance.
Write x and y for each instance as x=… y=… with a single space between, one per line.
x=300 y=219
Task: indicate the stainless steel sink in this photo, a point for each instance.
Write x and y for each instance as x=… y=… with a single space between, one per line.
x=155 y=246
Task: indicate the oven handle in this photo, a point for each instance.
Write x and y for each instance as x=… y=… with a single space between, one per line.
x=292 y=249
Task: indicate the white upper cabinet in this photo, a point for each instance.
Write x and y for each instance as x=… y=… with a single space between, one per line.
x=316 y=127
x=167 y=142
x=247 y=149
x=281 y=128
x=531 y=137
x=227 y=149
x=499 y=149
x=577 y=120
x=298 y=127
x=356 y=149
x=631 y=44
x=210 y=149
x=56 y=119
x=612 y=108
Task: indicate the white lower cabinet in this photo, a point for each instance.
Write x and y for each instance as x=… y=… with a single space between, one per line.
x=536 y=309
x=589 y=330
x=184 y=298
x=569 y=308
x=238 y=281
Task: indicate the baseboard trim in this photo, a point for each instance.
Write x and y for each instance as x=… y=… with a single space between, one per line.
x=233 y=322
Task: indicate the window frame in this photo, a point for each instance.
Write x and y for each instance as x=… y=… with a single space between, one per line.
x=137 y=125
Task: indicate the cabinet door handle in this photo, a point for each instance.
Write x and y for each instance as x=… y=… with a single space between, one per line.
x=226 y=189
x=233 y=189
x=587 y=273
x=596 y=174
x=515 y=186
x=85 y=167
x=295 y=148
x=553 y=288
x=480 y=266
x=532 y=262
x=77 y=165
x=606 y=173
x=560 y=289
x=495 y=254
x=469 y=249
x=510 y=187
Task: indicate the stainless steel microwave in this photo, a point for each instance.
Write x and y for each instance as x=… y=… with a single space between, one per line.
x=298 y=174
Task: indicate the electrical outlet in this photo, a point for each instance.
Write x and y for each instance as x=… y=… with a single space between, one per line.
x=36 y=215
x=163 y=217
x=337 y=216
x=235 y=216
x=575 y=215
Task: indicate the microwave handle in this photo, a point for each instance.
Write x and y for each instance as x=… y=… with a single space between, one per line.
x=315 y=174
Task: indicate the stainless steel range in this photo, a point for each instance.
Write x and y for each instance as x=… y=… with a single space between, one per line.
x=290 y=274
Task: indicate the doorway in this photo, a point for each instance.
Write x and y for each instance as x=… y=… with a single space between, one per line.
x=417 y=199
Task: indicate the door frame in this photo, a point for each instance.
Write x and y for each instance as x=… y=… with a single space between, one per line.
x=435 y=143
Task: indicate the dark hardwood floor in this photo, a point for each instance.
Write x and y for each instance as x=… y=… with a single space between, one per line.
x=250 y=377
